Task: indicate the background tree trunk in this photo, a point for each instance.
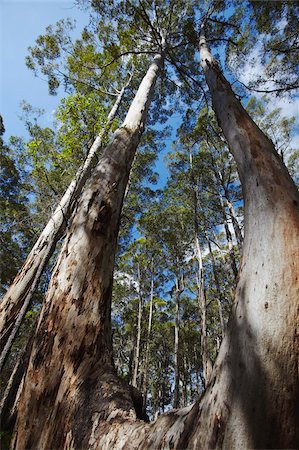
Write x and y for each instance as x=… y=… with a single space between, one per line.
x=149 y=331
x=139 y=325
x=206 y=361
x=176 y=391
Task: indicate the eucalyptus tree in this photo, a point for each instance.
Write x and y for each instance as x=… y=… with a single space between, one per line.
x=122 y=148
x=72 y=356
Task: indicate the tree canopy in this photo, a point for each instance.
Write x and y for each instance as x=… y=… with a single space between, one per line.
x=182 y=253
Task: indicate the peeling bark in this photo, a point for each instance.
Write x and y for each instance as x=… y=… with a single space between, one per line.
x=71 y=391
x=16 y=301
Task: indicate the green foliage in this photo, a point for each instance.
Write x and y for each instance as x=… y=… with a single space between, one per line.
x=14 y=226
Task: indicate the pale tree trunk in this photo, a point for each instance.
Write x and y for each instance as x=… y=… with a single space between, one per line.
x=9 y=400
x=233 y=216
x=148 y=340
x=220 y=297
x=229 y=239
x=226 y=265
x=176 y=391
x=15 y=303
x=70 y=388
x=206 y=361
x=139 y=325
x=232 y=213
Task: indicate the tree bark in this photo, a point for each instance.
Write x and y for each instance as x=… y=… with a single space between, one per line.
x=206 y=361
x=220 y=298
x=176 y=391
x=71 y=391
x=252 y=400
x=149 y=332
x=16 y=301
x=139 y=325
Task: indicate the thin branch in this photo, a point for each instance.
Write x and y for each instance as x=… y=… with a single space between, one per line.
x=281 y=89
x=228 y=24
x=72 y=79
x=223 y=39
x=129 y=52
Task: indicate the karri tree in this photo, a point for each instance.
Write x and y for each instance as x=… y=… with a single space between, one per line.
x=72 y=397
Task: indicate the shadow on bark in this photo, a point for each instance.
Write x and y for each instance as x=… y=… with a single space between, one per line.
x=259 y=388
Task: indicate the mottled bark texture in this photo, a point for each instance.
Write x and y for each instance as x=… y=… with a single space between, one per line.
x=17 y=299
x=70 y=388
x=252 y=399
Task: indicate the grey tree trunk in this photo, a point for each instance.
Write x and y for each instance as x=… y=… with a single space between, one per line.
x=231 y=251
x=9 y=400
x=176 y=391
x=149 y=332
x=252 y=400
x=15 y=303
x=139 y=325
x=206 y=361
x=232 y=213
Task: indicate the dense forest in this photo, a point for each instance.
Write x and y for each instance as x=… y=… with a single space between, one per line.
x=150 y=235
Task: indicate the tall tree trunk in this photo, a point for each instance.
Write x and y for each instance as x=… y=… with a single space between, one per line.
x=18 y=297
x=139 y=325
x=252 y=400
x=71 y=385
x=229 y=239
x=148 y=340
x=206 y=361
x=9 y=400
x=220 y=297
x=176 y=391
x=233 y=216
x=232 y=213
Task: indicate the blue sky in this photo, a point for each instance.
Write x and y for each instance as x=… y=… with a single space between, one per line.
x=21 y=21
